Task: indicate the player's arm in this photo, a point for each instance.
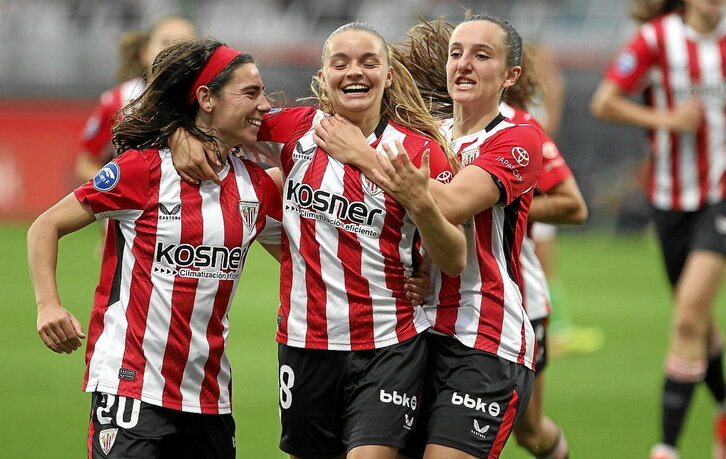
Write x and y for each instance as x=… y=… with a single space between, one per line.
x=445 y=243
x=273 y=249
x=563 y=204
x=193 y=159
x=611 y=103
x=58 y=328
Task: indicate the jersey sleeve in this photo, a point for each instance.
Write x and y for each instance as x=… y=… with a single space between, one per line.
x=96 y=135
x=120 y=190
x=514 y=158
x=278 y=128
x=271 y=232
x=554 y=168
x=630 y=65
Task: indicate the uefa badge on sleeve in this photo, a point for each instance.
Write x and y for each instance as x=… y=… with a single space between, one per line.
x=248 y=210
x=106 y=439
x=107 y=178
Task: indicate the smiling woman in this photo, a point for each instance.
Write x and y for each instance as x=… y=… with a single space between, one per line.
x=156 y=362
x=345 y=320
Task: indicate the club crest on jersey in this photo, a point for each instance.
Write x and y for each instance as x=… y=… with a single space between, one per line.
x=106 y=438
x=169 y=214
x=467 y=156
x=107 y=178
x=371 y=188
x=248 y=210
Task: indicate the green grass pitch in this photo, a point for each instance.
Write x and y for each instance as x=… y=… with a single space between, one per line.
x=607 y=401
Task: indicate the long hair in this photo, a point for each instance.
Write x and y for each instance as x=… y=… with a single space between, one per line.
x=150 y=120
x=528 y=86
x=401 y=104
x=130 y=46
x=645 y=10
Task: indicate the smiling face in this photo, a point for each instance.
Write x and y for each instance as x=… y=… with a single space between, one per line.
x=355 y=72
x=238 y=108
x=477 y=71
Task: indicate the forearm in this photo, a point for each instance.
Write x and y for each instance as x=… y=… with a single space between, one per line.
x=609 y=104
x=444 y=242
x=42 y=260
x=557 y=210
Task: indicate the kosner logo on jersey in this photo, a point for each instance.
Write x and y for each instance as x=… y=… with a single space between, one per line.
x=201 y=256
x=320 y=204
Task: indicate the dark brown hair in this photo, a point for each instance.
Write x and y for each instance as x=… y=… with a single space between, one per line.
x=645 y=10
x=149 y=121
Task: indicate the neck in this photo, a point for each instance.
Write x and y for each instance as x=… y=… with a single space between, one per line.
x=468 y=119
x=700 y=22
x=367 y=122
x=203 y=122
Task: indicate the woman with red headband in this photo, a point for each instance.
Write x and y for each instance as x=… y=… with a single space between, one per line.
x=156 y=362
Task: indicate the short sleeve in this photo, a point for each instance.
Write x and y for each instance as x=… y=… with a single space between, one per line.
x=554 y=167
x=96 y=135
x=514 y=157
x=630 y=65
x=120 y=189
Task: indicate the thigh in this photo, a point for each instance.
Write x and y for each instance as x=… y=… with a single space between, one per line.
x=478 y=398
x=675 y=233
x=123 y=427
x=384 y=394
x=203 y=436
x=311 y=401
x=710 y=229
x=540 y=334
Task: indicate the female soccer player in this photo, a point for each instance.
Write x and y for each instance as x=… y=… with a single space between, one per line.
x=156 y=362
x=678 y=57
x=351 y=358
x=482 y=348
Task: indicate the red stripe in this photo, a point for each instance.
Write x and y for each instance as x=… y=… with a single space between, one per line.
x=506 y=427
x=233 y=236
x=91 y=432
x=183 y=296
x=360 y=303
x=701 y=146
x=447 y=308
x=137 y=310
x=491 y=312
x=316 y=335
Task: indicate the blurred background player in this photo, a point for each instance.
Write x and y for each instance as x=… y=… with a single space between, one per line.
x=156 y=364
x=137 y=51
x=677 y=60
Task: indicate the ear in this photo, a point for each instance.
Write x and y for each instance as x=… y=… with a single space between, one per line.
x=512 y=76
x=321 y=77
x=389 y=77
x=205 y=99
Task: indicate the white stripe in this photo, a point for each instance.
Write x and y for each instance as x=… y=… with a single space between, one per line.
x=470 y=290
x=712 y=77
x=536 y=290
x=159 y=317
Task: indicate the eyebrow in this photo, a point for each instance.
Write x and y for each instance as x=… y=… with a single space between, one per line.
x=475 y=46
x=255 y=87
x=345 y=56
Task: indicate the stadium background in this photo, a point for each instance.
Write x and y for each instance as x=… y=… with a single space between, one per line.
x=56 y=56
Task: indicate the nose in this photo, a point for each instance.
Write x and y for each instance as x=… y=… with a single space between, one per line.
x=263 y=104
x=464 y=63
x=354 y=70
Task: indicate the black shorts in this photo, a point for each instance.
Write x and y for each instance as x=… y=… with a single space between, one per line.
x=680 y=233
x=471 y=400
x=540 y=335
x=123 y=427
x=333 y=401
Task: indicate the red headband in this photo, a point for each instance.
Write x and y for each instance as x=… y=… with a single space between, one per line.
x=214 y=64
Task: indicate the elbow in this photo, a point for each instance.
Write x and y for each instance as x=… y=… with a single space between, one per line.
x=597 y=107
x=454 y=266
x=579 y=215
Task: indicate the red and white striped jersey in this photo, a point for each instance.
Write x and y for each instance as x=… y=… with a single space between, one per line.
x=173 y=258
x=535 y=289
x=674 y=63
x=96 y=135
x=347 y=247
x=482 y=307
